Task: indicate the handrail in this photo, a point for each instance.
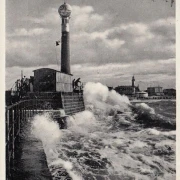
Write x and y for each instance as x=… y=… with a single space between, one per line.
x=15 y=114
x=27 y=100
x=25 y=108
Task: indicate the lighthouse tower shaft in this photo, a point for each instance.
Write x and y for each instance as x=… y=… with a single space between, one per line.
x=133 y=81
x=65 y=12
x=65 y=47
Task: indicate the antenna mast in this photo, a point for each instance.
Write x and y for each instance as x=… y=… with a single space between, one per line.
x=21 y=74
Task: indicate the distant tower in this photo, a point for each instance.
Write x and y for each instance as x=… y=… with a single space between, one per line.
x=133 y=80
x=65 y=12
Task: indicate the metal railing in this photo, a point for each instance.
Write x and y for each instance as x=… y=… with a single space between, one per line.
x=16 y=115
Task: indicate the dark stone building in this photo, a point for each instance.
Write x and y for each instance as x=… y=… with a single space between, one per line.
x=50 y=80
x=169 y=92
x=155 y=91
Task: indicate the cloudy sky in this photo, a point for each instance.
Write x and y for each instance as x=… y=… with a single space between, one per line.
x=111 y=40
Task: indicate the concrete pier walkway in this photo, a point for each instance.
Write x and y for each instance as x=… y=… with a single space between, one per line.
x=30 y=162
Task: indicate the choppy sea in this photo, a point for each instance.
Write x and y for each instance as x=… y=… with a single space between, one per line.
x=113 y=139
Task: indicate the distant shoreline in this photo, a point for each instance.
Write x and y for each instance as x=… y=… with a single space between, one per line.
x=151 y=100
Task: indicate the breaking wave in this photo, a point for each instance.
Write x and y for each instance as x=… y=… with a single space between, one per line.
x=113 y=139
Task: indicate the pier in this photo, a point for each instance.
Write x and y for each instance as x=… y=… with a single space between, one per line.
x=25 y=154
x=49 y=90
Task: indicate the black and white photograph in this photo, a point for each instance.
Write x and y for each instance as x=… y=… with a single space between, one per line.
x=90 y=90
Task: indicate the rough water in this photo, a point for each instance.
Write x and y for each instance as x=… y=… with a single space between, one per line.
x=112 y=140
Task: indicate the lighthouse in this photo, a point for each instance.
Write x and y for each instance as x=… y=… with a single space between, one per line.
x=133 y=80
x=65 y=13
x=133 y=85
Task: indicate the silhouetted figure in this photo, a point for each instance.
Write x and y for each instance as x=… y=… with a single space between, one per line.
x=24 y=87
x=77 y=85
x=73 y=84
x=77 y=82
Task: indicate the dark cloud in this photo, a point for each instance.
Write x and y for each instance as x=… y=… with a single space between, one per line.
x=100 y=40
x=102 y=32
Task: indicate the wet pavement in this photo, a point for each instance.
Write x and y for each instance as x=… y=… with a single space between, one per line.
x=30 y=162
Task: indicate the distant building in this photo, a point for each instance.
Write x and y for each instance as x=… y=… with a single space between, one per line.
x=127 y=90
x=155 y=91
x=141 y=94
x=169 y=92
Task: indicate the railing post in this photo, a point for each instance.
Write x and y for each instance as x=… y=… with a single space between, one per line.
x=20 y=117
x=27 y=111
x=19 y=121
x=25 y=114
x=7 y=145
x=27 y=105
x=22 y=112
x=33 y=107
x=15 y=122
x=10 y=139
x=13 y=133
x=36 y=106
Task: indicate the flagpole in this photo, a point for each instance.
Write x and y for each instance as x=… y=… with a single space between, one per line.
x=56 y=55
x=57 y=44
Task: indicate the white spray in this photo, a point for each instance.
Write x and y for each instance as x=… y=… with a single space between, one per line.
x=98 y=97
x=47 y=130
x=88 y=125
